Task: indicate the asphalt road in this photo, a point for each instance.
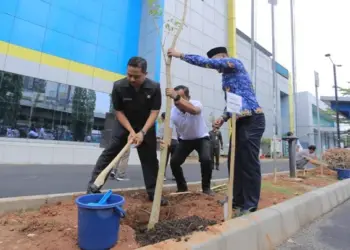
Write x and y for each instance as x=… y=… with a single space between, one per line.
x=331 y=232
x=22 y=180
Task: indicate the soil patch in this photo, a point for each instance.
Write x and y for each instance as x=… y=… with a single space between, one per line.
x=55 y=226
x=173 y=229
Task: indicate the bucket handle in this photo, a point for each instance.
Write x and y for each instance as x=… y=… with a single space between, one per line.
x=121 y=211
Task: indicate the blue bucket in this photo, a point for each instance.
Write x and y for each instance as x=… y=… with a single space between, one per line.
x=343 y=173
x=98 y=225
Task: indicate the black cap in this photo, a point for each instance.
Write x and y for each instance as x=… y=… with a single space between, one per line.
x=216 y=51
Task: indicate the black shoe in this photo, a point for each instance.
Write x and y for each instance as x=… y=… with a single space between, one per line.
x=209 y=192
x=242 y=212
x=112 y=175
x=217 y=168
x=163 y=201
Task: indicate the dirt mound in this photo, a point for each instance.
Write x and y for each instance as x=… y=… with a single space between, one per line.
x=172 y=229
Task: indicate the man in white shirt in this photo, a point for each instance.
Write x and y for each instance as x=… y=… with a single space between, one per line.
x=303 y=157
x=193 y=134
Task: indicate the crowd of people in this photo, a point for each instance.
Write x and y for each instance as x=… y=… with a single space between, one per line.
x=137 y=102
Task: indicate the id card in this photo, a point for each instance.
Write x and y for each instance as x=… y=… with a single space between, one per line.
x=233 y=103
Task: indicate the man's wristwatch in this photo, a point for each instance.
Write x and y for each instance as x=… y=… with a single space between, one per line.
x=177 y=98
x=143 y=132
x=225 y=117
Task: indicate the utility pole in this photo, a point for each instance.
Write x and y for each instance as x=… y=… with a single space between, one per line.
x=294 y=67
x=317 y=85
x=275 y=87
x=252 y=44
x=336 y=97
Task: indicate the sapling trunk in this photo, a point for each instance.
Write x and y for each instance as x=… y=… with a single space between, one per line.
x=154 y=218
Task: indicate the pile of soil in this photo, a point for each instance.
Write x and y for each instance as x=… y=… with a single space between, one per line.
x=54 y=227
x=173 y=229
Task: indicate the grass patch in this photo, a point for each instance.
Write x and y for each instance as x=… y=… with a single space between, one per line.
x=270 y=187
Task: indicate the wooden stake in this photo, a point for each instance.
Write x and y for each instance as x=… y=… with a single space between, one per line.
x=232 y=49
x=219 y=187
x=232 y=168
x=154 y=218
x=180 y=193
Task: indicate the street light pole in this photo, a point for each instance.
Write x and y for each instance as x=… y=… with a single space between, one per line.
x=336 y=97
x=336 y=103
x=252 y=44
x=319 y=145
x=275 y=87
x=294 y=67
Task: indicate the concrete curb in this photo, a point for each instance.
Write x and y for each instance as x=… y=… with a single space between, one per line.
x=36 y=201
x=266 y=228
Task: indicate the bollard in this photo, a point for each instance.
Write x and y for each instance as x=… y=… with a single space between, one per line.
x=292 y=154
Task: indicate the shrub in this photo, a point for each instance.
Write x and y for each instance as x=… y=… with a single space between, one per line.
x=337 y=158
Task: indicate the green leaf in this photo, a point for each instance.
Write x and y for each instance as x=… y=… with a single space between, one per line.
x=151 y=2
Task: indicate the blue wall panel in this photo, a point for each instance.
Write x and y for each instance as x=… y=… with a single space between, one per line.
x=282 y=70
x=86 y=30
x=100 y=33
x=58 y=44
x=57 y=14
x=27 y=34
x=34 y=11
x=90 y=10
x=107 y=57
x=9 y=7
x=6 y=22
x=109 y=39
x=70 y=5
x=83 y=52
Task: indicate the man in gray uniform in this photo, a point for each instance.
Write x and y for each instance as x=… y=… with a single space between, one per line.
x=216 y=142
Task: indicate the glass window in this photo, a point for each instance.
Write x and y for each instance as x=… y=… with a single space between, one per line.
x=40 y=109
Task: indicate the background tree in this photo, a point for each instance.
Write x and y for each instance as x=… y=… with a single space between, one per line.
x=11 y=89
x=39 y=87
x=83 y=107
x=332 y=115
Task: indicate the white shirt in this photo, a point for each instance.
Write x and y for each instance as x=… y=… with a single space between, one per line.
x=161 y=131
x=304 y=153
x=189 y=127
x=299 y=145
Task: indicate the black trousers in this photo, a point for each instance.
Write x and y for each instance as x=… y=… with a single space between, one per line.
x=215 y=156
x=247 y=177
x=147 y=154
x=171 y=150
x=183 y=150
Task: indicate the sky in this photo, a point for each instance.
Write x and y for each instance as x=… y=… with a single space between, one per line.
x=321 y=27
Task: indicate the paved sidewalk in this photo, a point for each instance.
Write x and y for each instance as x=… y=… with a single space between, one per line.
x=331 y=232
